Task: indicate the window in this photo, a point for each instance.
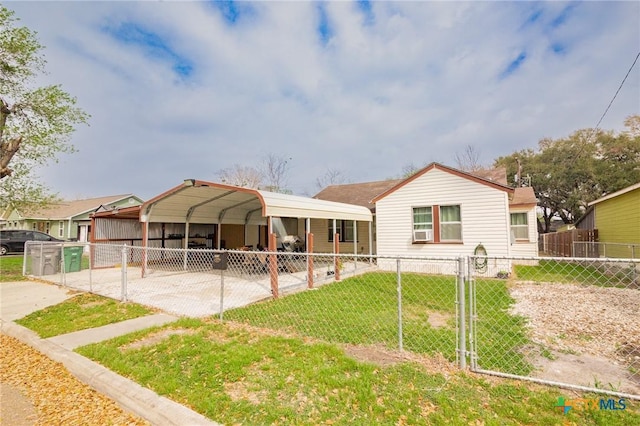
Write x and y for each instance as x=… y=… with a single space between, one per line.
x=343 y=227
x=437 y=224
x=60 y=229
x=519 y=226
x=450 y=223
x=422 y=218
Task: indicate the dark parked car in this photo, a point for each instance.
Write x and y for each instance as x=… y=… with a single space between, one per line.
x=12 y=240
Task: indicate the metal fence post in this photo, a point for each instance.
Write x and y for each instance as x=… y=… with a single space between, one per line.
x=399 y=288
x=462 y=334
x=123 y=297
x=27 y=249
x=221 y=293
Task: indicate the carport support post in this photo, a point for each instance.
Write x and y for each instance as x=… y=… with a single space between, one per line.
x=186 y=244
x=462 y=332
x=310 y=260
x=273 y=265
x=145 y=243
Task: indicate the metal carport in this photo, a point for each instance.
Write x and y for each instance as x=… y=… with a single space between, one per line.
x=202 y=202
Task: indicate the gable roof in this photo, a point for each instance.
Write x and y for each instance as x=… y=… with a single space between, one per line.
x=69 y=209
x=615 y=194
x=359 y=194
x=451 y=170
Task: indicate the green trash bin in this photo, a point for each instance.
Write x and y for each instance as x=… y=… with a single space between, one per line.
x=72 y=258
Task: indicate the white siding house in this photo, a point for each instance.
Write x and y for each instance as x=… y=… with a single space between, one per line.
x=444 y=212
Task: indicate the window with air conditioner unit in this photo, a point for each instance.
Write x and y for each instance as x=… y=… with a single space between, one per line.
x=422 y=235
x=437 y=224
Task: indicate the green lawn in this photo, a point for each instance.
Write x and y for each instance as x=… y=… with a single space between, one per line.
x=238 y=375
x=552 y=271
x=364 y=310
x=81 y=312
x=11 y=269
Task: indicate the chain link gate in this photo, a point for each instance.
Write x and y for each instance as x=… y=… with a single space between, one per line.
x=566 y=322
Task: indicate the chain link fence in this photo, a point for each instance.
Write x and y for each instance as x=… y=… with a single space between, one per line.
x=558 y=321
x=562 y=321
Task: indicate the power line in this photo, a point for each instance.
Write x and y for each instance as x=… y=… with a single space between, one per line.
x=595 y=129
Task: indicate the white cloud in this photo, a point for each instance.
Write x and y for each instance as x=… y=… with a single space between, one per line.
x=412 y=82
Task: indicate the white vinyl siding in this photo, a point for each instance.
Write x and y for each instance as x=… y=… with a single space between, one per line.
x=484 y=216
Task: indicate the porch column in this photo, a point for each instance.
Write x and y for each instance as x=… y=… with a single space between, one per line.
x=370 y=242
x=145 y=243
x=309 y=255
x=355 y=246
x=185 y=246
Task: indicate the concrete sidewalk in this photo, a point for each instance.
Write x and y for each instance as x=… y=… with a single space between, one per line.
x=21 y=298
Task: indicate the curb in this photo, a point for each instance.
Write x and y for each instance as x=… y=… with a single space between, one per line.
x=139 y=400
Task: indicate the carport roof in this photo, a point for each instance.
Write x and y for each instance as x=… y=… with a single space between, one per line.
x=199 y=201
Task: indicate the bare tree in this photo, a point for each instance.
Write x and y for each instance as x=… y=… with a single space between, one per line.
x=274 y=169
x=247 y=177
x=409 y=170
x=331 y=177
x=469 y=159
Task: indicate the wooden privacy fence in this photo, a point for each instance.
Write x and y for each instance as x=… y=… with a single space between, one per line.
x=561 y=243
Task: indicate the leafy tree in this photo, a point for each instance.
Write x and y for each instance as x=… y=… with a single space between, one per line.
x=568 y=173
x=35 y=122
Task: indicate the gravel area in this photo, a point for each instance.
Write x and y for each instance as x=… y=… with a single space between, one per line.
x=38 y=391
x=602 y=321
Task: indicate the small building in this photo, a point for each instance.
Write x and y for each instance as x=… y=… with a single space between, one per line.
x=617 y=218
x=68 y=220
x=441 y=211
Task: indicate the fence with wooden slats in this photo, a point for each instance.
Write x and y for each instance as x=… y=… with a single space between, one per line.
x=561 y=243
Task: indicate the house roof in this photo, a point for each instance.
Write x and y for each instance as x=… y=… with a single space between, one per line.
x=523 y=196
x=615 y=194
x=498 y=175
x=360 y=194
x=438 y=166
x=210 y=202
x=70 y=209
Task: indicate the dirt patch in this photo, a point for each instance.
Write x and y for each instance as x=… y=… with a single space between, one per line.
x=439 y=319
x=591 y=333
x=155 y=338
x=238 y=391
x=379 y=355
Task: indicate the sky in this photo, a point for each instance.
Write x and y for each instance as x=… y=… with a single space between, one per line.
x=182 y=90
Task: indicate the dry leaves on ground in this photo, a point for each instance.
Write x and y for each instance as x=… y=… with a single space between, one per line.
x=602 y=321
x=57 y=396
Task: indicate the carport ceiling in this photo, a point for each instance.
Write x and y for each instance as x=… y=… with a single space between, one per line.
x=197 y=201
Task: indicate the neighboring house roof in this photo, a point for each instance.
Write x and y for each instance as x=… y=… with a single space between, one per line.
x=498 y=174
x=359 y=194
x=616 y=194
x=70 y=209
x=523 y=196
x=451 y=170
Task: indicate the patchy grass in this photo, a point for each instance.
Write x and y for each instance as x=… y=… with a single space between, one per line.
x=79 y=313
x=364 y=310
x=11 y=268
x=553 y=271
x=237 y=374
